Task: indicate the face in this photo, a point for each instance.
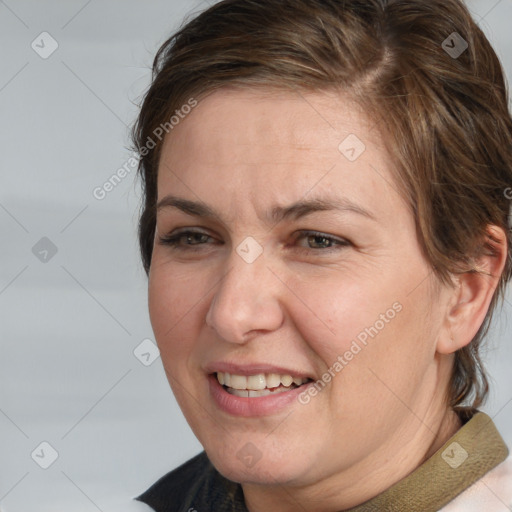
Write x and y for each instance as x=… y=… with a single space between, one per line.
x=285 y=259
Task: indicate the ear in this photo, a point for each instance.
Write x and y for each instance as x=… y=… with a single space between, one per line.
x=473 y=293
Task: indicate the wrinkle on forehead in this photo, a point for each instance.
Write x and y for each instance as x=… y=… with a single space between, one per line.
x=258 y=147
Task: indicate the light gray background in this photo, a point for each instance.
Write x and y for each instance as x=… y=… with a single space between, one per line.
x=69 y=326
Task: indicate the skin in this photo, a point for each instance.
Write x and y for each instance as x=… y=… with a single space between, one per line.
x=299 y=305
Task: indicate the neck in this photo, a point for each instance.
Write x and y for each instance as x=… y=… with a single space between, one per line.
x=450 y=424
x=357 y=485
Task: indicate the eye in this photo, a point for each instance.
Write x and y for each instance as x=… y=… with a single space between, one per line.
x=320 y=242
x=185 y=240
x=316 y=241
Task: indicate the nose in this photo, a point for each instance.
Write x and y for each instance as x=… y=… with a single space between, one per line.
x=246 y=301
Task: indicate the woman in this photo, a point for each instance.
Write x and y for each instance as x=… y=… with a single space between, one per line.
x=325 y=232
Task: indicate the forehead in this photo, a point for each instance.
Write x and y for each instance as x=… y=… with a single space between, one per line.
x=262 y=145
x=251 y=118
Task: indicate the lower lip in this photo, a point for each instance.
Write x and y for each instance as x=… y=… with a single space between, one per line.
x=256 y=406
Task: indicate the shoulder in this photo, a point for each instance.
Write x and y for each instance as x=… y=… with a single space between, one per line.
x=492 y=493
x=174 y=491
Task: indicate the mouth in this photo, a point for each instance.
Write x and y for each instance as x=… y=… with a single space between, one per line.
x=259 y=385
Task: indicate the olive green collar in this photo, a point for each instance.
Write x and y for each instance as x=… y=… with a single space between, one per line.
x=475 y=449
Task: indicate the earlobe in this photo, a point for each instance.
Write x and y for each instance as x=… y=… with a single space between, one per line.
x=472 y=294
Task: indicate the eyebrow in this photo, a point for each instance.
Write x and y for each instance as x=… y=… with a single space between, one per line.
x=293 y=211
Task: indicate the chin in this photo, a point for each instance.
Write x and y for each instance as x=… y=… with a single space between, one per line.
x=244 y=466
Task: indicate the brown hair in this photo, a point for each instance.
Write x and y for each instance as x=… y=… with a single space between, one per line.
x=447 y=122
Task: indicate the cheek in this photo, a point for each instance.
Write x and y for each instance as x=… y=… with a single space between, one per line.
x=174 y=302
x=371 y=326
x=394 y=362
x=337 y=311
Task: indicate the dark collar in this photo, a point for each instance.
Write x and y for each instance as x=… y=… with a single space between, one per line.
x=475 y=449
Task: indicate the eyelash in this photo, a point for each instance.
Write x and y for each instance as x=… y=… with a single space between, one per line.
x=173 y=241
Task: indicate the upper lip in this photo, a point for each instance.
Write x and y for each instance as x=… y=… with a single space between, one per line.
x=253 y=369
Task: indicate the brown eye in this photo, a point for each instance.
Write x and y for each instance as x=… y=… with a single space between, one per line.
x=321 y=242
x=185 y=239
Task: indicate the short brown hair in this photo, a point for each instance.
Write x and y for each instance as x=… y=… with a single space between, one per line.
x=447 y=123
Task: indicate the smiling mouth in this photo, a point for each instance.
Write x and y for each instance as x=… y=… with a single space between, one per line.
x=252 y=386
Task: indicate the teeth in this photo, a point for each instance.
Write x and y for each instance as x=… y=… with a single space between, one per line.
x=261 y=383
x=256 y=382
x=286 y=380
x=273 y=380
x=238 y=382
x=249 y=393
